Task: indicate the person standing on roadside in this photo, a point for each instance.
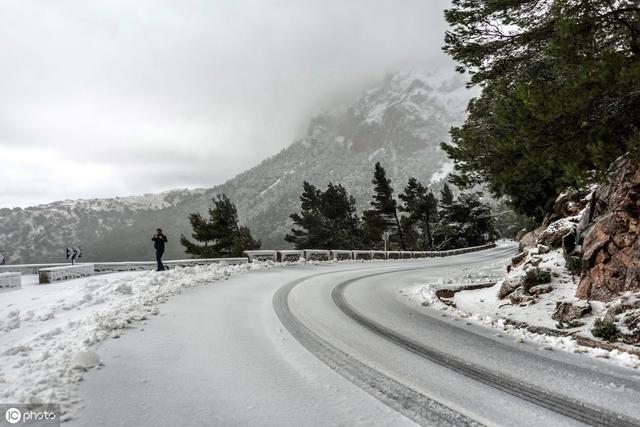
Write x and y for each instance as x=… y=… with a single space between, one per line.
x=159 y=240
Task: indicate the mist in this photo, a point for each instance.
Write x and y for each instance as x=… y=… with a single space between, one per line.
x=103 y=99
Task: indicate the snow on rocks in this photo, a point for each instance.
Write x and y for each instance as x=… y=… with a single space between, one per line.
x=531 y=321
x=568 y=312
x=556 y=231
x=48 y=334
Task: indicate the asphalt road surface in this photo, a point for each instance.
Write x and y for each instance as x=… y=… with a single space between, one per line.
x=338 y=344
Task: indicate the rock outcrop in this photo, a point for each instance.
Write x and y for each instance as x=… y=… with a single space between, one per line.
x=609 y=235
x=567 y=312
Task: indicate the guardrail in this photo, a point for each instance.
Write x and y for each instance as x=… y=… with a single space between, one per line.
x=67 y=272
x=117 y=266
x=51 y=272
x=29 y=268
x=341 y=255
x=317 y=255
x=261 y=255
x=314 y=254
x=290 y=255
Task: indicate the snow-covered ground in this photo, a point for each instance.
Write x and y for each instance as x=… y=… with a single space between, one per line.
x=482 y=306
x=485 y=301
x=47 y=332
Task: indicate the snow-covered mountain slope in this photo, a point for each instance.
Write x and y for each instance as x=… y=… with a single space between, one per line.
x=400 y=123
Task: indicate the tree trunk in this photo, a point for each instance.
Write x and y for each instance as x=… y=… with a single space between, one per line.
x=428 y=228
x=395 y=214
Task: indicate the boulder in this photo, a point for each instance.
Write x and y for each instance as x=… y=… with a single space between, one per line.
x=552 y=236
x=542 y=249
x=530 y=240
x=509 y=285
x=540 y=289
x=611 y=242
x=535 y=261
x=570 y=202
x=567 y=312
x=624 y=304
x=519 y=258
x=632 y=320
x=613 y=311
x=521 y=234
x=520 y=296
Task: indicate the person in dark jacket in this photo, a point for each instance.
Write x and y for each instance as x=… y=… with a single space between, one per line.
x=158 y=243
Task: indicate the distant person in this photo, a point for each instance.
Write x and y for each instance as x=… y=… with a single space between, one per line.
x=158 y=243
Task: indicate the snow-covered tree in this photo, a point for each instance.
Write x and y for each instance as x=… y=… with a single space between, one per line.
x=421 y=208
x=383 y=215
x=221 y=234
x=328 y=219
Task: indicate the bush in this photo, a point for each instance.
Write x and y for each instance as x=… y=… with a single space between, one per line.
x=537 y=276
x=605 y=329
x=573 y=264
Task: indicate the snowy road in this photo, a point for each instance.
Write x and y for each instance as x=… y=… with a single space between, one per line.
x=341 y=345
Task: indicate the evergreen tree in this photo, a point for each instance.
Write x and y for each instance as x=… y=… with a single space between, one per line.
x=309 y=220
x=328 y=219
x=560 y=94
x=421 y=208
x=446 y=196
x=467 y=221
x=384 y=213
x=221 y=234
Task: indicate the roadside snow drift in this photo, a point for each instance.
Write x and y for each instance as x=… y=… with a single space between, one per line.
x=48 y=333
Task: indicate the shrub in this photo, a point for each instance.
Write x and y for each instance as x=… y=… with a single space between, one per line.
x=536 y=276
x=605 y=329
x=573 y=264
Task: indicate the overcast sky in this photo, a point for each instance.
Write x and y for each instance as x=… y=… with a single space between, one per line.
x=114 y=98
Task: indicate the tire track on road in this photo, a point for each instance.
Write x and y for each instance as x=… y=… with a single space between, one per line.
x=403 y=399
x=557 y=403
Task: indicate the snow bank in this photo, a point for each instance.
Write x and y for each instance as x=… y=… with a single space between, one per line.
x=482 y=307
x=48 y=333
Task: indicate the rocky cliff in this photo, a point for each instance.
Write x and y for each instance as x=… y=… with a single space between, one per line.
x=597 y=233
x=609 y=234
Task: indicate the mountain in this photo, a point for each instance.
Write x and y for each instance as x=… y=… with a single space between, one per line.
x=400 y=123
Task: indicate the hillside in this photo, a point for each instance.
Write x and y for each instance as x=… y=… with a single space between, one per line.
x=399 y=123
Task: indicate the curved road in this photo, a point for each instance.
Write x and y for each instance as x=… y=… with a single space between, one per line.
x=340 y=345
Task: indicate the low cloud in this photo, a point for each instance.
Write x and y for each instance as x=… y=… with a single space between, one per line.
x=115 y=98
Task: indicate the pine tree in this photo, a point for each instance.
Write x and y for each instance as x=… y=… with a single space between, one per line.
x=421 y=208
x=560 y=82
x=308 y=221
x=446 y=196
x=328 y=219
x=221 y=234
x=384 y=213
x=466 y=221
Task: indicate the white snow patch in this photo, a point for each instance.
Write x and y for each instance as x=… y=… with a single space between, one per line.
x=271 y=186
x=375 y=153
x=48 y=333
x=376 y=114
x=484 y=308
x=84 y=360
